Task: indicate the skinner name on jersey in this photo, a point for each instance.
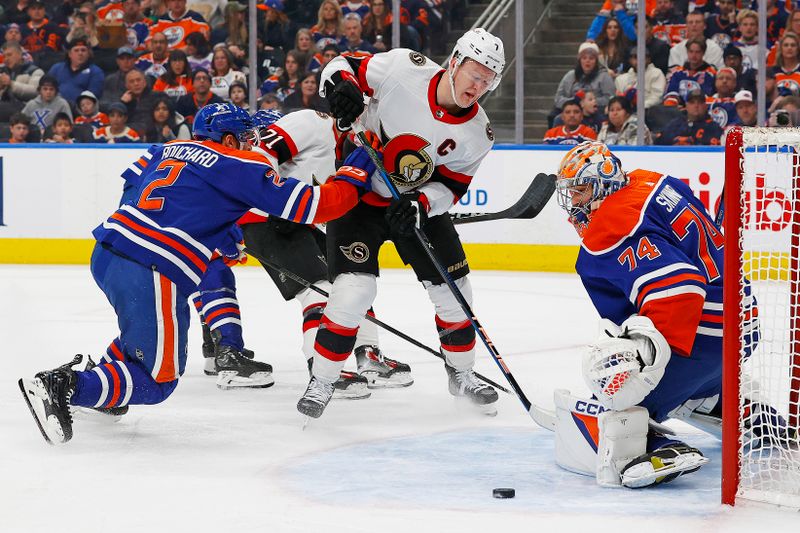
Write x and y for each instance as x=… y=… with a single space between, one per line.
x=192 y=154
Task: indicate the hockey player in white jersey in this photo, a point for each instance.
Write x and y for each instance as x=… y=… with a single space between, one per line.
x=305 y=144
x=434 y=136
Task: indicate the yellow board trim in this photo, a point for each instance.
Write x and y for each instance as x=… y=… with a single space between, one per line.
x=518 y=257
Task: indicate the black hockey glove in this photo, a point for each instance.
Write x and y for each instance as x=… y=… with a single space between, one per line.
x=345 y=97
x=281 y=226
x=407 y=212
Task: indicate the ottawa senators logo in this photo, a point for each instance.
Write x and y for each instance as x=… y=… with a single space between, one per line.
x=406 y=160
x=356 y=252
x=417 y=58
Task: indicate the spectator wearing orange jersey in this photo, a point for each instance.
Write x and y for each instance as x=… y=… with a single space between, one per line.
x=117 y=130
x=572 y=131
x=88 y=111
x=177 y=80
x=668 y=24
x=178 y=23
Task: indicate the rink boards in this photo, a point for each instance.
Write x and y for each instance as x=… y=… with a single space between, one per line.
x=52 y=196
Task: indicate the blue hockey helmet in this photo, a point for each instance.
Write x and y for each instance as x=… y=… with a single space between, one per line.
x=215 y=120
x=266 y=117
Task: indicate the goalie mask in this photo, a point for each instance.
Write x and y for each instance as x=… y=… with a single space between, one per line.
x=587 y=175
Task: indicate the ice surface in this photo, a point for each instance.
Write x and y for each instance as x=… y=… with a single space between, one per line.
x=405 y=460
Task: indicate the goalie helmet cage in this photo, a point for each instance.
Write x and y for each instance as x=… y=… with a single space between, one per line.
x=761 y=339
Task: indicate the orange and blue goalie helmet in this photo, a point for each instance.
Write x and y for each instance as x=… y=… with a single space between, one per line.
x=588 y=173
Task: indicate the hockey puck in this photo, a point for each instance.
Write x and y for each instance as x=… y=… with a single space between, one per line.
x=504 y=493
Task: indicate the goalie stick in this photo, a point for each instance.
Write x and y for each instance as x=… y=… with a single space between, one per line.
x=529 y=205
x=305 y=283
x=531 y=409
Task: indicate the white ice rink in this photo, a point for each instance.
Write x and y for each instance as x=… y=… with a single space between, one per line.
x=410 y=460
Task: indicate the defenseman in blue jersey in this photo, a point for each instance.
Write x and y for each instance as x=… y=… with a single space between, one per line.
x=152 y=253
x=651 y=262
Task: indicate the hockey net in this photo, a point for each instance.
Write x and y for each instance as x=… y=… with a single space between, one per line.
x=761 y=375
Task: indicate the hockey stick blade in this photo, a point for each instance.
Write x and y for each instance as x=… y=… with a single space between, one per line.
x=528 y=206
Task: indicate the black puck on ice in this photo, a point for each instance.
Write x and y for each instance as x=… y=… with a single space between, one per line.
x=503 y=493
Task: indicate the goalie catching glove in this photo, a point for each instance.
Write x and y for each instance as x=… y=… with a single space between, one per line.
x=626 y=363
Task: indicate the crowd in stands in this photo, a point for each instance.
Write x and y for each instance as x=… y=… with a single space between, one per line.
x=129 y=71
x=700 y=73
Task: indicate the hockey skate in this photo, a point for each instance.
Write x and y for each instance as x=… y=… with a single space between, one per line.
x=464 y=383
x=316 y=398
x=209 y=345
x=380 y=371
x=351 y=386
x=47 y=396
x=111 y=413
x=235 y=370
x=662 y=465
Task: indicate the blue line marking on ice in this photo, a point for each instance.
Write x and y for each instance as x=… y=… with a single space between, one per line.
x=458 y=470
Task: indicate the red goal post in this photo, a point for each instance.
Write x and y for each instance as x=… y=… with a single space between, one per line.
x=761 y=346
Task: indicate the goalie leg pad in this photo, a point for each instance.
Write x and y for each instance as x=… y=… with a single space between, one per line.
x=623 y=437
x=577 y=433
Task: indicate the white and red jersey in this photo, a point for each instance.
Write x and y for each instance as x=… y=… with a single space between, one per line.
x=304 y=145
x=425 y=147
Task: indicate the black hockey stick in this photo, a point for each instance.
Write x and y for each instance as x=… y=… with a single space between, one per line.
x=307 y=284
x=529 y=205
x=534 y=412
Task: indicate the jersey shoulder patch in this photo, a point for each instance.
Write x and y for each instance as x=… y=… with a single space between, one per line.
x=621 y=213
x=417 y=58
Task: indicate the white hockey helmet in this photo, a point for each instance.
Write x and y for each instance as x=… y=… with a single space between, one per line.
x=483 y=47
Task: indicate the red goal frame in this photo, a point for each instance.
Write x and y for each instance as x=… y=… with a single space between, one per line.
x=731 y=345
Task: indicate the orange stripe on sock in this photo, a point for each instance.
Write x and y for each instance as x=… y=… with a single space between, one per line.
x=117 y=386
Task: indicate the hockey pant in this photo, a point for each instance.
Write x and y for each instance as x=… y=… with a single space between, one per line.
x=217 y=305
x=351 y=297
x=143 y=364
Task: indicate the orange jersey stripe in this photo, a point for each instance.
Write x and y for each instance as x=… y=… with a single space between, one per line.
x=221 y=311
x=677 y=318
x=116 y=386
x=672 y=280
x=336 y=197
x=167 y=370
x=117 y=353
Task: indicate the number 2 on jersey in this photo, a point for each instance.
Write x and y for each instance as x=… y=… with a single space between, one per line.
x=156 y=203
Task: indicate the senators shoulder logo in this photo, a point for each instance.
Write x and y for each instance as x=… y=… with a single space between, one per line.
x=417 y=58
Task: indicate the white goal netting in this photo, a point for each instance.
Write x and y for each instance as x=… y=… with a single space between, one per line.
x=769 y=315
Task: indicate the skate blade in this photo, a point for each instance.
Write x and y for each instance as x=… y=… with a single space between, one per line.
x=228 y=380
x=395 y=381
x=306 y=420
x=93 y=415
x=488 y=409
x=210 y=367
x=645 y=474
x=33 y=392
x=358 y=393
